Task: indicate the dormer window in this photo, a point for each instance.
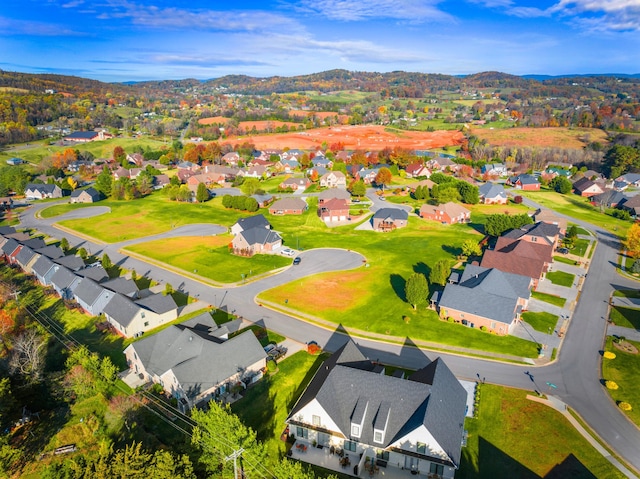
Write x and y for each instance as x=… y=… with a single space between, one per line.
x=380 y=422
x=378 y=436
x=357 y=417
x=355 y=430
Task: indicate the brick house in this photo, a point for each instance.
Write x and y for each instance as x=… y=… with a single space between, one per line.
x=448 y=213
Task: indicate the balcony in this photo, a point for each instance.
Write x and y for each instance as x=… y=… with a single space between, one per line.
x=329 y=458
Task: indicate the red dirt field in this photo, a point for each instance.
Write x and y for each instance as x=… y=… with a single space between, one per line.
x=214 y=119
x=371 y=138
x=262 y=125
x=320 y=114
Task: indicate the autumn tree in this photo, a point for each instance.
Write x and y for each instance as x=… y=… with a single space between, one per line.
x=416 y=290
x=358 y=188
x=28 y=355
x=632 y=242
x=440 y=272
x=119 y=154
x=88 y=373
x=383 y=178
x=471 y=247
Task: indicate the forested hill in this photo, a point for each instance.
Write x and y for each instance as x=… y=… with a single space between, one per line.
x=41 y=82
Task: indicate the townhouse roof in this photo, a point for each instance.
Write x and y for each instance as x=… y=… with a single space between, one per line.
x=51 y=251
x=121 y=309
x=96 y=273
x=122 y=285
x=70 y=261
x=42 y=265
x=63 y=278
x=158 y=303
x=88 y=291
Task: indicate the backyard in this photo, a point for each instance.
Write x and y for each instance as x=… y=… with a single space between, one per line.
x=561 y=278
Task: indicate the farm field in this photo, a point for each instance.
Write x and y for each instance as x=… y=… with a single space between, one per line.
x=541 y=137
x=356 y=137
x=213 y=120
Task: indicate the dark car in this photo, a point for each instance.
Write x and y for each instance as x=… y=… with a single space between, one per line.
x=563 y=250
x=297 y=260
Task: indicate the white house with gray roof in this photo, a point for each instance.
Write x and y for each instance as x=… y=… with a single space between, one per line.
x=352 y=407
x=91 y=296
x=64 y=282
x=194 y=363
x=44 y=269
x=133 y=318
x=493 y=194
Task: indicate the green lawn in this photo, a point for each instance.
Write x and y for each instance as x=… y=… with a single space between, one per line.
x=624 y=371
x=580 y=247
x=549 y=298
x=265 y=406
x=562 y=259
x=625 y=317
x=627 y=293
x=540 y=321
x=209 y=256
x=517 y=438
x=579 y=208
x=561 y=278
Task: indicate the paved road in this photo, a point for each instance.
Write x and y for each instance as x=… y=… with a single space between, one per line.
x=576 y=373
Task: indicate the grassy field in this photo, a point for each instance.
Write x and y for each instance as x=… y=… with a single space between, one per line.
x=540 y=321
x=625 y=317
x=542 y=137
x=624 y=371
x=627 y=293
x=562 y=259
x=577 y=207
x=517 y=438
x=549 y=298
x=561 y=278
x=209 y=256
x=580 y=247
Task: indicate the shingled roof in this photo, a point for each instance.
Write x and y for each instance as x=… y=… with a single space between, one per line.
x=256 y=221
x=349 y=391
x=519 y=257
x=260 y=236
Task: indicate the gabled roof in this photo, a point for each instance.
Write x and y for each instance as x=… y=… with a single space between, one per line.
x=334 y=193
x=492 y=190
x=10 y=246
x=121 y=285
x=350 y=390
x=540 y=229
x=63 y=278
x=70 y=261
x=34 y=243
x=82 y=135
x=489 y=293
x=289 y=204
x=519 y=257
x=629 y=177
x=5 y=230
x=525 y=179
x=583 y=184
x=453 y=210
x=25 y=255
x=198 y=361
x=254 y=221
x=42 y=265
x=608 y=198
x=94 y=194
x=88 y=291
x=391 y=214
x=335 y=204
x=51 y=251
x=96 y=273
x=43 y=188
x=121 y=309
x=260 y=236
x=158 y=303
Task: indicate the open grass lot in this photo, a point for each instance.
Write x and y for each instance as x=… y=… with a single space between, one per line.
x=561 y=278
x=625 y=317
x=549 y=298
x=517 y=438
x=208 y=256
x=580 y=247
x=265 y=406
x=562 y=259
x=540 y=321
x=542 y=137
x=101 y=149
x=624 y=371
x=577 y=207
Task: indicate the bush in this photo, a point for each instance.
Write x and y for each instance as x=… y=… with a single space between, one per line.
x=635 y=268
x=406 y=319
x=450 y=319
x=609 y=355
x=483 y=328
x=611 y=385
x=625 y=406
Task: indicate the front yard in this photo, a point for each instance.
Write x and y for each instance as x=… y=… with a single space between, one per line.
x=625 y=317
x=624 y=371
x=542 y=321
x=549 y=298
x=561 y=278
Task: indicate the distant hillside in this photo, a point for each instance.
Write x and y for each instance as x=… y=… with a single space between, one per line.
x=40 y=82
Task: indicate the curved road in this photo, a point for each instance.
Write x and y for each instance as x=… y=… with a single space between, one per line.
x=576 y=373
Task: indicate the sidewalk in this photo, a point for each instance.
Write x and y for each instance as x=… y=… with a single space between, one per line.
x=560 y=406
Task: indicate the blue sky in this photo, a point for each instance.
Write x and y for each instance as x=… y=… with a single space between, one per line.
x=121 y=40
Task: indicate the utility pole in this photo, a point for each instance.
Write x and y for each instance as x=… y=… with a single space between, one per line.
x=235 y=455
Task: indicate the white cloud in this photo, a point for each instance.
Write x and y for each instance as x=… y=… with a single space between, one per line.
x=493 y=3
x=601 y=15
x=10 y=26
x=356 y=10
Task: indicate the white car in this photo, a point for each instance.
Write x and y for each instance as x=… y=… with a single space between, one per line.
x=288 y=252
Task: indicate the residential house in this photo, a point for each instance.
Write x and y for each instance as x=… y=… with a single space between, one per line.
x=494 y=169
x=334 y=210
x=50 y=251
x=332 y=193
x=519 y=257
x=208 y=179
x=554 y=171
x=288 y=166
x=540 y=232
x=160 y=181
x=229 y=173
x=632 y=179
x=256 y=171
x=255 y=221
x=194 y=364
x=34 y=243
x=343 y=156
x=493 y=194
x=64 y=282
x=256 y=240
x=316 y=172
x=288 y=206
x=524 y=182
x=587 y=188
x=333 y=179
x=91 y=296
x=87 y=136
x=232 y=158
x=548 y=216
x=26 y=259
x=90 y=195
x=125 y=286
x=448 y=213
x=37 y=191
x=388 y=219
x=632 y=205
x=188 y=165
x=323 y=161
x=295 y=184
x=440 y=163
x=486 y=297
x=608 y=199
x=71 y=262
x=367 y=175
x=264 y=200
x=132 y=319
x=95 y=272
x=417 y=170
x=382 y=422
x=44 y=269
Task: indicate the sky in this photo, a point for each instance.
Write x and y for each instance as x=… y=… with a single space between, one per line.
x=135 y=40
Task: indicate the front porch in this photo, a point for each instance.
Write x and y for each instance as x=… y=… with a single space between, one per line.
x=345 y=462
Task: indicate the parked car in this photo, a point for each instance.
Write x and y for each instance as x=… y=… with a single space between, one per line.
x=288 y=252
x=563 y=250
x=297 y=260
x=269 y=347
x=277 y=352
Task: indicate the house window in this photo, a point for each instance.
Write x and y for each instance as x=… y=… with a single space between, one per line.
x=316 y=420
x=382 y=455
x=436 y=469
x=421 y=448
x=146 y=323
x=493 y=325
x=302 y=432
x=142 y=315
x=378 y=436
x=350 y=446
x=355 y=430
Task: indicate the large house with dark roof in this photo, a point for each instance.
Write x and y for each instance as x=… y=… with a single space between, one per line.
x=256 y=240
x=89 y=195
x=379 y=422
x=540 y=232
x=38 y=191
x=485 y=297
x=519 y=257
x=524 y=182
x=86 y=136
x=255 y=221
x=132 y=318
x=388 y=219
x=194 y=362
x=492 y=194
